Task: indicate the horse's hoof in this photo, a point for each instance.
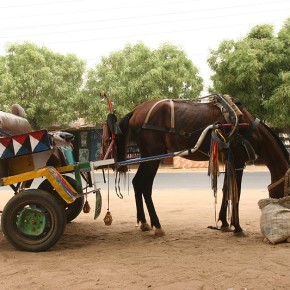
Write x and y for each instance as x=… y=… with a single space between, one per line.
x=145 y=227
x=241 y=234
x=226 y=229
x=159 y=232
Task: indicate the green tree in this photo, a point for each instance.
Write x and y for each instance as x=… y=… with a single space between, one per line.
x=253 y=69
x=46 y=84
x=278 y=106
x=137 y=73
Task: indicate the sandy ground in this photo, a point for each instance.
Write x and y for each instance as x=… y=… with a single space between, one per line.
x=91 y=255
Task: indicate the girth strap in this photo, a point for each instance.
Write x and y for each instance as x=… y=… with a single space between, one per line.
x=165 y=130
x=172 y=120
x=171 y=111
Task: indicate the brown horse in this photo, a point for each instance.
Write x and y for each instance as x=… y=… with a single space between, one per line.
x=173 y=125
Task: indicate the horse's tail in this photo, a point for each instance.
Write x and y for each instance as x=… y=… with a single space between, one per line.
x=122 y=141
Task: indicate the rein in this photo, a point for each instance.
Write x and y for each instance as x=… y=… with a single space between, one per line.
x=286 y=180
x=287 y=183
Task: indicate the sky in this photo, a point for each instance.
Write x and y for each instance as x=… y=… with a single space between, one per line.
x=91 y=29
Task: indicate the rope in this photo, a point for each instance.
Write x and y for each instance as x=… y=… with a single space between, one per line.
x=128 y=181
x=274 y=184
x=287 y=183
x=108 y=191
x=117 y=185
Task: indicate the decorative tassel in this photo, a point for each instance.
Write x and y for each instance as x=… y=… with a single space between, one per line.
x=214 y=171
x=108 y=219
x=86 y=208
x=231 y=188
x=214 y=166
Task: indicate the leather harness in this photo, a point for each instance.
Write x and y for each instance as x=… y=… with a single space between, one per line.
x=242 y=140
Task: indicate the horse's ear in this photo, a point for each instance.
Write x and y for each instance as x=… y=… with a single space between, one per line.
x=17 y=110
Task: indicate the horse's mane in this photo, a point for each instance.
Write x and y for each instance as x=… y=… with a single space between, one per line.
x=279 y=142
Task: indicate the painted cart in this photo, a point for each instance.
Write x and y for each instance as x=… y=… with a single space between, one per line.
x=34 y=219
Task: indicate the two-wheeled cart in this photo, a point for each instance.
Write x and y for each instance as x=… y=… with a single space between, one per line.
x=34 y=219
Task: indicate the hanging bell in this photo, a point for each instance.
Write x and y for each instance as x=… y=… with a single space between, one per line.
x=108 y=219
x=86 y=208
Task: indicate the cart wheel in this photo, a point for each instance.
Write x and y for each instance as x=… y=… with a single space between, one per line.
x=33 y=220
x=72 y=210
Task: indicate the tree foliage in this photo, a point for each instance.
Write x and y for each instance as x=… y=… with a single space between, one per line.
x=137 y=73
x=55 y=88
x=46 y=84
x=255 y=69
x=278 y=106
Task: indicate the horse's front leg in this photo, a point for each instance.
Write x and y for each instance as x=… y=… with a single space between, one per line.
x=143 y=182
x=137 y=185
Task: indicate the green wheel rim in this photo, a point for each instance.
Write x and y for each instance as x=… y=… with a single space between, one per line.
x=31 y=222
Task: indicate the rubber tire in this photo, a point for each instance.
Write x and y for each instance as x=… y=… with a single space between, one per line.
x=55 y=215
x=72 y=210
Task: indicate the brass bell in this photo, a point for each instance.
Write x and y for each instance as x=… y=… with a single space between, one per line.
x=108 y=219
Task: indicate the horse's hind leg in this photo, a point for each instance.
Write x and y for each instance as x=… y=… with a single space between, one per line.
x=142 y=183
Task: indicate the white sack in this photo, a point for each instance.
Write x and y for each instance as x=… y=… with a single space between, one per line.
x=275 y=219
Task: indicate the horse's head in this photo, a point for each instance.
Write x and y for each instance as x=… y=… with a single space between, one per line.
x=270 y=150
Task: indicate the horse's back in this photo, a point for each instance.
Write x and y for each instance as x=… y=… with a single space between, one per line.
x=178 y=113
